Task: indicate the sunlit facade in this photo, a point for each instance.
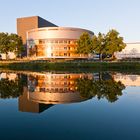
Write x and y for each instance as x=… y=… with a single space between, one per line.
x=54 y=42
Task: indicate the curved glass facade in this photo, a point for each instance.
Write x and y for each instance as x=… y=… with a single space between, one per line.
x=50 y=43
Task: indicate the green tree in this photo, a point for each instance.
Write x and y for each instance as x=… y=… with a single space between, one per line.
x=84 y=44
x=10 y=43
x=114 y=43
x=16 y=44
x=4 y=43
x=99 y=44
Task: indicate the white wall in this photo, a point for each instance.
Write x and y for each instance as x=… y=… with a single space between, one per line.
x=132 y=50
x=11 y=55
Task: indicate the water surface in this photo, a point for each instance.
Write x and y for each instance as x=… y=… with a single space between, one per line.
x=69 y=106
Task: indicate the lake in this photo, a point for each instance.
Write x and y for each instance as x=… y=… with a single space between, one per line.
x=67 y=106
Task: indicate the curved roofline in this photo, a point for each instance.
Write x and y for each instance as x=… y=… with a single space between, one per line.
x=60 y=28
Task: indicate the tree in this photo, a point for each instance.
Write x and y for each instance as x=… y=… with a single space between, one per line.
x=10 y=43
x=4 y=43
x=114 y=43
x=84 y=44
x=99 y=44
x=16 y=44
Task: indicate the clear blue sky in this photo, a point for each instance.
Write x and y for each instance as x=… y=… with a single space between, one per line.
x=95 y=15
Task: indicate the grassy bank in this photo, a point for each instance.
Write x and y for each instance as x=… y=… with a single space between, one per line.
x=45 y=65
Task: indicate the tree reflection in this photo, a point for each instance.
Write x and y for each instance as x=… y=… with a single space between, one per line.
x=109 y=89
x=11 y=88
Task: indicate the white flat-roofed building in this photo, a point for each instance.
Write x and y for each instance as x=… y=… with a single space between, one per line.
x=132 y=50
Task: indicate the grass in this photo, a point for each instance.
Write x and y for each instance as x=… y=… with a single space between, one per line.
x=70 y=65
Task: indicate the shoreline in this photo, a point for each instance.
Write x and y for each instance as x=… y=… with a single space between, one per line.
x=69 y=65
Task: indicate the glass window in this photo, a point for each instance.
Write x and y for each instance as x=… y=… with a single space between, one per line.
x=65 y=54
x=65 y=48
x=65 y=41
x=41 y=41
x=71 y=42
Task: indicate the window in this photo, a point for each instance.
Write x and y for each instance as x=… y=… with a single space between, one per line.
x=60 y=41
x=41 y=41
x=65 y=41
x=65 y=83
x=71 y=42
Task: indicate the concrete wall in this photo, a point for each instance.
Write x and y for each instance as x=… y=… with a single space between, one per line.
x=27 y=23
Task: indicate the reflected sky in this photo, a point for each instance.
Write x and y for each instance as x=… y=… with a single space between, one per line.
x=90 y=118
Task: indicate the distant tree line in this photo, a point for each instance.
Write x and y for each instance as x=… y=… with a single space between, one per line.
x=102 y=44
x=11 y=43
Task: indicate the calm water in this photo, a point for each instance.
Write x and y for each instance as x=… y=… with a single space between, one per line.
x=66 y=106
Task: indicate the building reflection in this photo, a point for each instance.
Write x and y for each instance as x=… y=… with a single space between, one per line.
x=46 y=90
x=26 y=105
x=128 y=79
x=40 y=91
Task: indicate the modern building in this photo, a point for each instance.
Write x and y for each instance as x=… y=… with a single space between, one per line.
x=44 y=39
x=54 y=42
x=25 y=24
x=132 y=50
